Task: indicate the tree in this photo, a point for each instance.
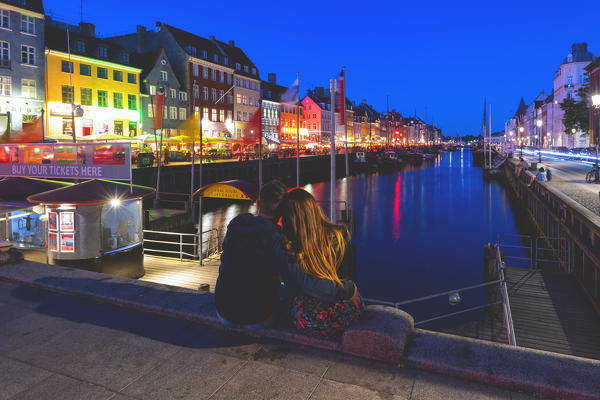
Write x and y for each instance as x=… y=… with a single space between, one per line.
x=577 y=112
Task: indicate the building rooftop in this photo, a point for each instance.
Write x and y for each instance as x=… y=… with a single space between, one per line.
x=32 y=5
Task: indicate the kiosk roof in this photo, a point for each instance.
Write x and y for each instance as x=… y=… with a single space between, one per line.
x=92 y=192
x=17 y=189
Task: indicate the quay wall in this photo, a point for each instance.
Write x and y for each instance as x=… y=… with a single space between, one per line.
x=177 y=178
x=572 y=230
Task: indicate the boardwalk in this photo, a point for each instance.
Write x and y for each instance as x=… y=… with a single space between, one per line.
x=187 y=274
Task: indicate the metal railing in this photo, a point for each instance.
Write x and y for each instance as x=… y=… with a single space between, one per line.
x=183 y=245
x=498 y=272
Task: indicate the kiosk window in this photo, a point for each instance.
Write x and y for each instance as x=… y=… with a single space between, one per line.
x=121 y=225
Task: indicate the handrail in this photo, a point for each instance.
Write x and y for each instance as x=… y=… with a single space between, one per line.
x=198 y=246
x=510 y=328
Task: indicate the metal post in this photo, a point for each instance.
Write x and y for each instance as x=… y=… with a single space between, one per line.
x=200 y=185
x=332 y=192
x=180 y=247
x=298 y=133
x=260 y=156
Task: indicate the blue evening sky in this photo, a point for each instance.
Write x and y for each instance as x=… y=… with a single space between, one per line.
x=442 y=57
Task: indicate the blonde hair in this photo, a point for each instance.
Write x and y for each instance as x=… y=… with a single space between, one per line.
x=317 y=244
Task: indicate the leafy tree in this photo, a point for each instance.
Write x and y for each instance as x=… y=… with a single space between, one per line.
x=577 y=112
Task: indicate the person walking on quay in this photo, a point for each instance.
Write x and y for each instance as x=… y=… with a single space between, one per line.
x=253 y=262
x=322 y=249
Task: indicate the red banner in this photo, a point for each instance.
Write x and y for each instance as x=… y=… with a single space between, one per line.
x=341 y=100
x=255 y=129
x=158 y=110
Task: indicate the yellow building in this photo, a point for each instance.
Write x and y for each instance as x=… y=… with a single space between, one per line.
x=99 y=75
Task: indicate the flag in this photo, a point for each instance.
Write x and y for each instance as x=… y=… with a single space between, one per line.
x=291 y=95
x=341 y=97
x=484 y=119
x=158 y=110
x=254 y=129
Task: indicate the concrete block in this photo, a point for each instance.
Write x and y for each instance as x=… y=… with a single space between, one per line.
x=381 y=334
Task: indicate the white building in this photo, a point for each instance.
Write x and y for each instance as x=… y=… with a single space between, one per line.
x=569 y=78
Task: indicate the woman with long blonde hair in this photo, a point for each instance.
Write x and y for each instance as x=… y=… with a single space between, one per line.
x=321 y=249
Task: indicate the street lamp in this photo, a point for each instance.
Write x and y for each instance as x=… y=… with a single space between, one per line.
x=596 y=106
x=539 y=124
x=521 y=129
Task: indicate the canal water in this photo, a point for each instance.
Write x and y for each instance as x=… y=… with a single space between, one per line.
x=420 y=231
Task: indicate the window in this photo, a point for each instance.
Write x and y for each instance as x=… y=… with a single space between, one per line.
x=196 y=111
x=213 y=74
x=229 y=98
x=80 y=46
x=238 y=82
x=118 y=131
x=228 y=79
x=213 y=94
x=205 y=93
x=253 y=71
x=4 y=53
x=152 y=89
x=182 y=113
x=245 y=68
x=222 y=115
x=183 y=96
x=216 y=57
x=86 y=96
x=66 y=66
x=131 y=78
x=102 y=98
x=244 y=83
x=163 y=76
x=214 y=115
x=118 y=100
x=245 y=114
x=239 y=132
x=204 y=54
x=173 y=93
x=244 y=100
x=27 y=55
x=102 y=52
x=250 y=101
x=4 y=19
x=191 y=49
x=173 y=112
x=5 y=85
x=67 y=94
x=131 y=102
x=102 y=73
x=113 y=218
x=238 y=98
x=196 y=91
x=85 y=69
x=165 y=112
x=225 y=61
x=150 y=110
x=570 y=80
x=221 y=96
x=229 y=115
x=204 y=73
x=27 y=24
x=221 y=76
x=28 y=88
x=239 y=116
x=195 y=69
x=238 y=66
x=118 y=75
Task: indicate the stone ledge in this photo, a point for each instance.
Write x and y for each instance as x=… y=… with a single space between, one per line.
x=514 y=368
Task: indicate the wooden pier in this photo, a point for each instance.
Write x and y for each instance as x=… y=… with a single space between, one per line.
x=187 y=274
x=549 y=313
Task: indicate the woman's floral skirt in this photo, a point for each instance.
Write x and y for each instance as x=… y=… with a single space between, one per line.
x=317 y=318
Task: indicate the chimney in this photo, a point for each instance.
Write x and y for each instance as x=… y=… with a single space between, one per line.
x=140 y=35
x=272 y=78
x=158 y=26
x=212 y=38
x=232 y=43
x=87 y=29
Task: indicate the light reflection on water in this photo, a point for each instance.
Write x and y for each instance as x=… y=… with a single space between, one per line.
x=420 y=231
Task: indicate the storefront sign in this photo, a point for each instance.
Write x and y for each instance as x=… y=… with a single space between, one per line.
x=74 y=161
x=225 y=192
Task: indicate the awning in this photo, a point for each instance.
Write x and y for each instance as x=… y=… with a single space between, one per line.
x=239 y=190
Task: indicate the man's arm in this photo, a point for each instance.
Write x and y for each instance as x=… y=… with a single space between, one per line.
x=293 y=276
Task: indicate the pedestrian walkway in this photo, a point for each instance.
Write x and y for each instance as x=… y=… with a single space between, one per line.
x=187 y=273
x=56 y=348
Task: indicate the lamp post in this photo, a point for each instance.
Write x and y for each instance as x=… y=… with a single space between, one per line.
x=539 y=124
x=596 y=125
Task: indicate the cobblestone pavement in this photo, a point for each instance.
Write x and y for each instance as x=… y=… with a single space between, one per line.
x=59 y=347
x=569 y=178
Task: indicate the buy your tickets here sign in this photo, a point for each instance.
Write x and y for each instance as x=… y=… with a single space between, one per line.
x=88 y=161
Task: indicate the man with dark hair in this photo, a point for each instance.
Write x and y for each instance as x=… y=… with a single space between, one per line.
x=253 y=262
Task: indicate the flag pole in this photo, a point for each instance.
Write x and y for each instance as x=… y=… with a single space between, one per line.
x=298 y=133
x=200 y=196
x=332 y=191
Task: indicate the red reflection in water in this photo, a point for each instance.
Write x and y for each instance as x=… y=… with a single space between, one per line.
x=397 y=214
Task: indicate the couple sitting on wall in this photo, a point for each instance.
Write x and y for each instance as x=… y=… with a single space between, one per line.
x=308 y=253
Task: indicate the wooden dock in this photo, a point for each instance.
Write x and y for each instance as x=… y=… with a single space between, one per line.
x=549 y=313
x=187 y=274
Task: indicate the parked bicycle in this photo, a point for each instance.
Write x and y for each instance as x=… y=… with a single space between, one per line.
x=593 y=175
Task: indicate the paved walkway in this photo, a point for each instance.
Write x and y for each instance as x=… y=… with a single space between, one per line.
x=58 y=347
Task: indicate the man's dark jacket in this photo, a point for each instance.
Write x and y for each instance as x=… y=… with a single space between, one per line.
x=253 y=262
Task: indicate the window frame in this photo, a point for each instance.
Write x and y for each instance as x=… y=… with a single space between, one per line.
x=29 y=53
x=118 y=100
